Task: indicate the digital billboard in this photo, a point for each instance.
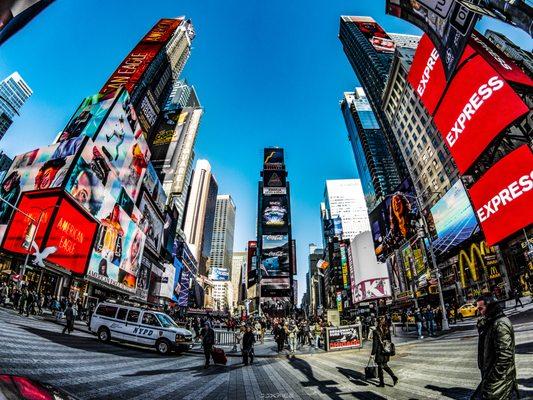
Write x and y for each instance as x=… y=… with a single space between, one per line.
x=136 y=63
x=167 y=281
x=274 y=214
x=65 y=236
x=252 y=263
x=503 y=196
x=393 y=221
x=185 y=286
x=454 y=219
x=273 y=158
x=275 y=256
x=375 y=34
x=151 y=223
x=168 y=137
x=448 y=24
x=143 y=281
x=478 y=105
x=154 y=188
x=219 y=274
x=271 y=287
x=274 y=182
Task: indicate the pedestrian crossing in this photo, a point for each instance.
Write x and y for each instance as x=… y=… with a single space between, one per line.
x=436 y=368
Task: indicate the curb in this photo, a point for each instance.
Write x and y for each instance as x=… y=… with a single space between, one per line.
x=238 y=354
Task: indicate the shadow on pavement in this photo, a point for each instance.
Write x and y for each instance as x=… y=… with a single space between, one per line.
x=452 y=392
x=91 y=344
x=355 y=377
x=524 y=348
x=526 y=393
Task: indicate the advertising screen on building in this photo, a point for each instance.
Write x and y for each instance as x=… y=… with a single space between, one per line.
x=375 y=34
x=136 y=63
x=167 y=281
x=272 y=287
x=503 y=196
x=478 y=105
x=274 y=182
x=371 y=277
x=448 y=24
x=394 y=220
x=344 y=337
x=219 y=274
x=454 y=219
x=273 y=158
x=151 y=223
x=275 y=256
x=143 y=282
x=275 y=214
x=65 y=236
x=252 y=263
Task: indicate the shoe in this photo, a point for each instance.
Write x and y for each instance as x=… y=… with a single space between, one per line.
x=394 y=381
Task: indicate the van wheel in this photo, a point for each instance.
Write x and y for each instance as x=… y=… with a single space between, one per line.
x=163 y=347
x=103 y=334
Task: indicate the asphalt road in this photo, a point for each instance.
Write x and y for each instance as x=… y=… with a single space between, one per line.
x=439 y=368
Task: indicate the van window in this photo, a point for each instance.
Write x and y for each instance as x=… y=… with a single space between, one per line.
x=133 y=316
x=150 y=319
x=122 y=313
x=106 y=311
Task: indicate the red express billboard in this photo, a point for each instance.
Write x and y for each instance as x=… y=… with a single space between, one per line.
x=477 y=106
x=65 y=236
x=503 y=197
x=136 y=63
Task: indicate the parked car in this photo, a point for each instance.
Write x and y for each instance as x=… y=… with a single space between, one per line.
x=141 y=326
x=466 y=310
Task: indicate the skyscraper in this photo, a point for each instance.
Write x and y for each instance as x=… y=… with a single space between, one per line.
x=370 y=50
x=344 y=198
x=14 y=92
x=430 y=164
x=200 y=209
x=374 y=162
x=223 y=231
x=522 y=57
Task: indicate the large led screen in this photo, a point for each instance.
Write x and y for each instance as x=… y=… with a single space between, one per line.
x=252 y=263
x=375 y=34
x=503 y=196
x=274 y=182
x=273 y=158
x=394 y=220
x=454 y=219
x=275 y=214
x=275 y=255
x=151 y=223
x=65 y=236
x=477 y=106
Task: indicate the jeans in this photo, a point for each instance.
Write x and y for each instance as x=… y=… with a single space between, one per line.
x=431 y=327
x=292 y=343
x=317 y=341
x=419 y=328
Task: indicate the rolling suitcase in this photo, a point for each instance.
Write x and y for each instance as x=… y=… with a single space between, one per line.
x=219 y=357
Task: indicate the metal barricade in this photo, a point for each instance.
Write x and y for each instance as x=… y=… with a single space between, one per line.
x=225 y=338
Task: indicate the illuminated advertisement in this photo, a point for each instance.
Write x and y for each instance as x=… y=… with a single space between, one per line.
x=344 y=266
x=375 y=34
x=275 y=256
x=274 y=182
x=273 y=158
x=252 y=263
x=185 y=282
x=154 y=188
x=333 y=227
x=219 y=274
x=168 y=136
x=371 y=276
x=394 y=220
x=477 y=262
x=448 y=24
x=503 y=196
x=167 y=281
x=136 y=63
x=151 y=223
x=454 y=219
x=65 y=235
x=477 y=106
x=275 y=287
x=143 y=282
x=274 y=213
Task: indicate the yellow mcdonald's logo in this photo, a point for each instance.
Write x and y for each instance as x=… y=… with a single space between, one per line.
x=471 y=259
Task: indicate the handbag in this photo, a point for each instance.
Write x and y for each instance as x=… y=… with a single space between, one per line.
x=388 y=348
x=371 y=371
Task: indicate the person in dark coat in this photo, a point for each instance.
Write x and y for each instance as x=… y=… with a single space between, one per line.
x=248 y=340
x=280 y=335
x=496 y=350
x=208 y=341
x=380 y=336
x=69 y=316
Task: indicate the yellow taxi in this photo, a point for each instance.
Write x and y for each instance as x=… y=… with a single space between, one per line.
x=397 y=317
x=466 y=310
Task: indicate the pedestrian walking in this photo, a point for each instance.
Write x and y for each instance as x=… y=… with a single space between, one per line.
x=517 y=294
x=496 y=351
x=248 y=340
x=318 y=334
x=382 y=349
x=418 y=321
x=438 y=318
x=69 y=317
x=4 y=294
x=208 y=341
x=430 y=320
x=293 y=331
x=279 y=336
x=30 y=303
x=23 y=300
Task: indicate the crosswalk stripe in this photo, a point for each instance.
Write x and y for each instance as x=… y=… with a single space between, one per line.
x=204 y=390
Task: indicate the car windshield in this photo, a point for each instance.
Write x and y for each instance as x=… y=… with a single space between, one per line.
x=166 y=321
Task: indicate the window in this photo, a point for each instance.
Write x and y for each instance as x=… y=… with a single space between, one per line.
x=122 y=313
x=106 y=311
x=133 y=316
x=150 y=319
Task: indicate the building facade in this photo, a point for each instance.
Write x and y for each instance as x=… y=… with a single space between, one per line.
x=430 y=164
x=344 y=198
x=223 y=233
x=238 y=276
x=522 y=57
x=14 y=92
x=374 y=162
x=371 y=63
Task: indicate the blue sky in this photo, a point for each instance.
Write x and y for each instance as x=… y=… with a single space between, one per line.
x=269 y=73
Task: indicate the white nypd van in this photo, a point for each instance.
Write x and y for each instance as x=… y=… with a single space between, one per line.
x=140 y=326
